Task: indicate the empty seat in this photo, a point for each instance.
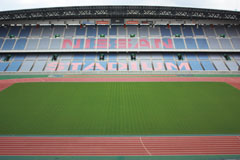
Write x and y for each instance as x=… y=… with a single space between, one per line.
x=88 y=66
x=58 y=30
x=51 y=67
x=121 y=31
x=103 y=30
x=176 y=29
x=236 y=43
x=14 y=66
x=100 y=66
x=123 y=56
x=132 y=30
x=143 y=31
x=134 y=66
x=113 y=31
x=202 y=43
x=91 y=31
x=168 y=56
x=43 y=57
x=165 y=31
x=70 y=31
x=80 y=31
x=78 y=56
x=47 y=31
x=209 y=31
x=198 y=30
x=3 y=31
x=76 y=65
x=122 y=65
x=232 y=65
x=38 y=66
x=3 y=66
x=171 y=65
x=32 y=44
x=208 y=66
x=14 y=31
x=20 y=44
x=44 y=44
x=36 y=31
x=191 y=56
x=157 y=56
x=112 y=56
x=66 y=56
x=213 y=43
x=26 y=66
x=220 y=66
x=158 y=65
x=179 y=43
x=183 y=66
x=19 y=57
x=154 y=31
x=187 y=31
x=220 y=30
x=8 y=44
x=203 y=56
x=1 y=43
x=191 y=44
x=225 y=43
x=25 y=31
x=232 y=32
x=215 y=56
x=195 y=66
x=112 y=66
x=63 y=66
x=91 y=56
x=31 y=57
x=55 y=44
x=146 y=66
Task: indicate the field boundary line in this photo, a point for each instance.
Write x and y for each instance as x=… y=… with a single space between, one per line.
x=145 y=148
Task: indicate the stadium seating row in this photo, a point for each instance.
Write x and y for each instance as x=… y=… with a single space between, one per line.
x=121 y=65
x=142 y=31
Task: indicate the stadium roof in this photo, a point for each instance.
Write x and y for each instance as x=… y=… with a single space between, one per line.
x=93 y=12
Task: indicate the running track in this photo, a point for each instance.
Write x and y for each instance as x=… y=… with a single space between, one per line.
x=116 y=146
x=125 y=146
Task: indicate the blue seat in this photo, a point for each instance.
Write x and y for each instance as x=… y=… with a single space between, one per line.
x=3 y=66
x=14 y=31
x=179 y=43
x=25 y=32
x=154 y=32
x=187 y=31
x=32 y=44
x=143 y=31
x=191 y=44
x=78 y=56
x=121 y=31
x=176 y=29
x=232 y=65
x=63 y=66
x=191 y=56
x=8 y=45
x=165 y=32
x=232 y=32
x=70 y=31
x=113 y=31
x=157 y=56
x=226 y=44
x=47 y=32
x=88 y=66
x=132 y=30
x=42 y=57
x=3 y=31
x=103 y=30
x=91 y=56
x=213 y=43
x=112 y=56
x=80 y=31
x=195 y=65
x=58 y=30
x=36 y=31
x=209 y=31
x=1 y=43
x=38 y=66
x=202 y=44
x=20 y=44
x=76 y=65
x=91 y=31
x=19 y=57
x=14 y=66
x=26 y=66
x=220 y=30
x=236 y=43
x=55 y=44
x=198 y=31
x=220 y=65
x=168 y=56
x=208 y=66
x=203 y=56
x=30 y=57
x=44 y=44
x=66 y=56
x=112 y=65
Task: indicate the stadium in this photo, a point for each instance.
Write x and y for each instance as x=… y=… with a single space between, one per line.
x=119 y=83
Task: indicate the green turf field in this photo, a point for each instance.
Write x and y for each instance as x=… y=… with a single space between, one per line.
x=120 y=108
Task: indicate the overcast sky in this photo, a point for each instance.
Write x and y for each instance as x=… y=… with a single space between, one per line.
x=26 y=4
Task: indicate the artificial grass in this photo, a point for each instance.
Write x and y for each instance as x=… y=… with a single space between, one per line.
x=119 y=108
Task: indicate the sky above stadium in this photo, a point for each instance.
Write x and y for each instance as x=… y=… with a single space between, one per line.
x=29 y=4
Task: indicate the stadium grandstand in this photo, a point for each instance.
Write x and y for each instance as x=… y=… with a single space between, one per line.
x=119 y=38
x=150 y=83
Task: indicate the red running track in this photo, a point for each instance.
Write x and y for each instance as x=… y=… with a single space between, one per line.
x=117 y=146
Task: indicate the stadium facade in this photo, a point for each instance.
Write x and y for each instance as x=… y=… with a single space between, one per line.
x=119 y=38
